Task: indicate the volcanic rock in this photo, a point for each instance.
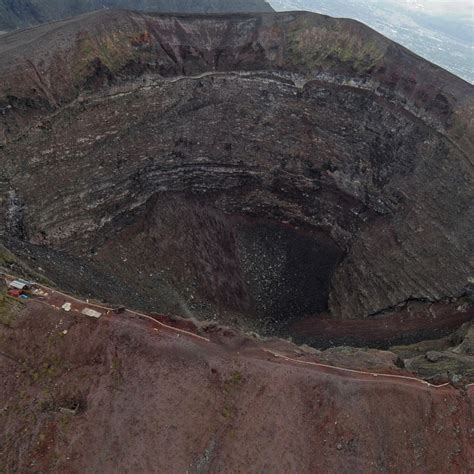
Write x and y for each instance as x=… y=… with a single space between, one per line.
x=255 y=168
x=433 y=356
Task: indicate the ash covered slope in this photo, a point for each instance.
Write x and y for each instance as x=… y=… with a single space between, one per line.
x=225 y=406
x=244 y=137
x=22 y=13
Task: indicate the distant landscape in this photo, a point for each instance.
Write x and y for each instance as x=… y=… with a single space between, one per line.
x=444 y=37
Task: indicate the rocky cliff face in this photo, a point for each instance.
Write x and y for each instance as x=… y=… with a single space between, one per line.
x=259 y=168
x=23 y=13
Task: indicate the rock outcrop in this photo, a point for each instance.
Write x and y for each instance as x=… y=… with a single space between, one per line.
x=264 y=167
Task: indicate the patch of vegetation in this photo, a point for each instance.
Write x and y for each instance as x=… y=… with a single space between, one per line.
x=321 y=46
x=116 y=369
x=65 y=423
x=112 y=51
x=227 y=411
x=48 y=370
x=6 y=257
x=9 y=260
x=46 y=406
x=233 y=382
x=8 y=310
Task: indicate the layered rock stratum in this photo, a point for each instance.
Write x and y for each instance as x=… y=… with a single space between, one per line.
x=254 y=168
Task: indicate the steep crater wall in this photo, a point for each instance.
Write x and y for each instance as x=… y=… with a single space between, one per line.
x=278 y=182
x=334 y=162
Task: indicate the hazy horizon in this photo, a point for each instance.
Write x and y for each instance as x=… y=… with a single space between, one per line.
x=441 y=31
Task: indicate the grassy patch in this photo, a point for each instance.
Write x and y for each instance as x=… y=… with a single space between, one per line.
x=6 y=257
x=232 y=382
x=117 y=373
x=322 y=46
x=8 y=310
x=112 y=51
x=48 y=370
x=227 y=411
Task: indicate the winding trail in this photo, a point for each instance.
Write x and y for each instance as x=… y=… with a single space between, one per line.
x=376 y=377
x=357 y=374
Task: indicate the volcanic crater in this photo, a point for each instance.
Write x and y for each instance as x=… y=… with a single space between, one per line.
x=280 y=172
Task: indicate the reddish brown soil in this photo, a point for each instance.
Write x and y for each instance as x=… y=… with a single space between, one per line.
x=413 y=321
x=154 y=400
